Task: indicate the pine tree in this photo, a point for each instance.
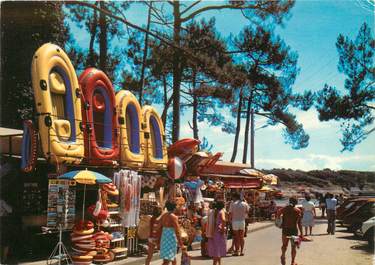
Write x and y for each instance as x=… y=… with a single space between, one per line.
x=355 y=107
x=25 y=27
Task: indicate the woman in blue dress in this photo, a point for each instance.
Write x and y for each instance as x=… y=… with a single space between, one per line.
x=170 y=235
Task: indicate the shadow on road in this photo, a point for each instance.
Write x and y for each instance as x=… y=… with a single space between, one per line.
x=363 y=247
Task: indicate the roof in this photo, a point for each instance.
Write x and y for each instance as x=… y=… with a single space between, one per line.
x=229 y=168
x=4 y=132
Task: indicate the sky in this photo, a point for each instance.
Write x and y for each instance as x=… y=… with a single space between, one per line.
x=312 y=31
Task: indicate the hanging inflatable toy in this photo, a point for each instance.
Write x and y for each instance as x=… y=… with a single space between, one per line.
x=58 y=105
x=184 y=148
x=154 y=148
x=176 y=168
x=131 y=138
x=29 y=153
x=99 y=117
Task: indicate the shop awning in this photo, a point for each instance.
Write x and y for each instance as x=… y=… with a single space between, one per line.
x=237 y=181
x=9 y=132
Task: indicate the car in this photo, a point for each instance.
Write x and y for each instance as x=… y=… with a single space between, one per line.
x=350 y=205
x=367 y=231
x=354 y=219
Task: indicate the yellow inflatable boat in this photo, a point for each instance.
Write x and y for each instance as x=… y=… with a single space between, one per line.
x=58 y=103
x=131 y=138
x=154 y=148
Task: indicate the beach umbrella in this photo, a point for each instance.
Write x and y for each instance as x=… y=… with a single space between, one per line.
x=271 y=179
x=266 y=189
x=85 y=177
x=251 y=172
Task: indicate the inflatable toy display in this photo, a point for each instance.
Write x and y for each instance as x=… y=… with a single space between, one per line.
x=154 y=147
x=184 y=148
x=99 y=117
x=29 y=153
x=131 y=138
x=58 y=104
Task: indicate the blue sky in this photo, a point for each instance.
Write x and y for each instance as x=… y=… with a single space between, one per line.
x=312 y=31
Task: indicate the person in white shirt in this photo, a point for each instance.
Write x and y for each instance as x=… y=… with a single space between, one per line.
x=331 y=203
x=238 y=211
x=308 y=214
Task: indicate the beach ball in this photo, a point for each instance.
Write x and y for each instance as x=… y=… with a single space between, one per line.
x=176 y=168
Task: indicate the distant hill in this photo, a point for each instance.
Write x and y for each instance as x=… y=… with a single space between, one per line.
x=342 y=181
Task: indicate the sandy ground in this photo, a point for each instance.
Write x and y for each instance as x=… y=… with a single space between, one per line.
x=263 y=248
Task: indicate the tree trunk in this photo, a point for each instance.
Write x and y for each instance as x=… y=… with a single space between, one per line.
x=195 y=109
x=166 y=104
x=142 y=81
x=103 y=39
x=94 y=25
x=247 y=126
x=238 y=128
x=176 y=71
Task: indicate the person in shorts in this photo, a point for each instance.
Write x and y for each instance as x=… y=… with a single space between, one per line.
x=291 y=217
x=153 y=237
x=238 y=212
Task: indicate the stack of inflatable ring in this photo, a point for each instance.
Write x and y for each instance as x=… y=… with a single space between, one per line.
x=102 y=243
x=29 y=147
x=111 y=189
x=83 y=243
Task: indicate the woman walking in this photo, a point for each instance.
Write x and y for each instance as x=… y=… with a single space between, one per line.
x=308 y=214
x=217 y=242
x=170 y=235
x=153 y=236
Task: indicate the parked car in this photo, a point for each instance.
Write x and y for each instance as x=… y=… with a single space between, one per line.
x=367 y=231
x=350 y=205
x=354 y=219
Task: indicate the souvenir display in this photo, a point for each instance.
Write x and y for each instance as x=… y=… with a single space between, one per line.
x=154 y=146
x=129 y=184
x=83 y=242
x=176 y=168
x=183 y=148
x=29 y=152
x=131 y=137
x=58 y=103
x=31 y=198
x=61 y=203
x=99 y=117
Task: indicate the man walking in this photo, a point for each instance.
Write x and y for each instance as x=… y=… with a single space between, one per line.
x=238 y=212
x=291 y=217
x=331 y=203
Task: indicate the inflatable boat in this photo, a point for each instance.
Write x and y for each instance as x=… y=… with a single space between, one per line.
x=58 y=105
x=99 y=117
x=154 y=147
x=131 y=139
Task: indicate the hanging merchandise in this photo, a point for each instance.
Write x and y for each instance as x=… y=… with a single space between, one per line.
x=193 y=190
x=61 y=203
x=129 y=184
x=176 y=168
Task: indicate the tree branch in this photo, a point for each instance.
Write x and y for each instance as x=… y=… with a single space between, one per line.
x=218 y=7
x=191 y=6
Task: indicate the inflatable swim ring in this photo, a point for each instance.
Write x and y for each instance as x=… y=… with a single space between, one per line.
x=58 y=104
x=131 y=138
x=29 y=152
x=154 y=146
x=99 y=117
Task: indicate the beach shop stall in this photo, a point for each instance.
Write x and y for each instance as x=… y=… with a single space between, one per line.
x=82 y=126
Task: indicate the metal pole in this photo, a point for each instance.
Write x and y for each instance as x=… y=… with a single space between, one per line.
x=252 y=139
x=84 y=198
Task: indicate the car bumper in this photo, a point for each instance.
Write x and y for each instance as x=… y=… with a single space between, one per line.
x=359 y=233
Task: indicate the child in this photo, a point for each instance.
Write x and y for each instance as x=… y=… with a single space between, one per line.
x=185 y=258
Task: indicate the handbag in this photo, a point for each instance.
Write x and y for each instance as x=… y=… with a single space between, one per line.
x=279 y=221
x=144 y=228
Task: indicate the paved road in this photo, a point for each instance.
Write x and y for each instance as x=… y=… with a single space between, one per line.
x=263 y=248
